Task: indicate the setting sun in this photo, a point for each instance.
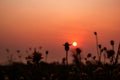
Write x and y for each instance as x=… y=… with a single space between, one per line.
x=74 y=44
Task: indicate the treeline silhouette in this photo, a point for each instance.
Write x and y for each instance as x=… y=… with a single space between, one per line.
x=106 y=67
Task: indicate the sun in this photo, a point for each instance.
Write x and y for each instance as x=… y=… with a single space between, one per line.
x=74 y=43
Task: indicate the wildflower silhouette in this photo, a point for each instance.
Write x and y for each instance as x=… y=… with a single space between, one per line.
x=66 y=46
x=78 y=51
x=118 y=54
x=112 y=44
x=29 y=59
x=36 y=57
x=94 y=57
x=18 y=51
x=19 y=55
x=36 y=69
x=77 y=58
x=89 y=55
x=7 y=50
x=110 y=54
x=46 y=52
x=100 y=50
x=105 y=54
x=95 y=33
x=10 y=58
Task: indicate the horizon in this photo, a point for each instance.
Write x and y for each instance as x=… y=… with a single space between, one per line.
x=49 y=24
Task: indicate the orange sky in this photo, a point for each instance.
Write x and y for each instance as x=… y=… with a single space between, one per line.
x=50 y=23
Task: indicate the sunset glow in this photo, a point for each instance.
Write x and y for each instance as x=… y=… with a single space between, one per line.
x=59 y=39
x=74 y=43
x=50 y=23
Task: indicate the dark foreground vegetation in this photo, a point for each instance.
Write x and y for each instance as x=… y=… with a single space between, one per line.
x=55 y=71
x=106 y=67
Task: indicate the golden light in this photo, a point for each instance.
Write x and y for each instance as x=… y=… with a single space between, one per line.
x=74 y=43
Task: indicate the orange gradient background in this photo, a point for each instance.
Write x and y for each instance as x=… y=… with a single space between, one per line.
x=50 y=23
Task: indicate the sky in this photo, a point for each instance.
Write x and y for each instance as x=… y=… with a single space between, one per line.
x=51 y=23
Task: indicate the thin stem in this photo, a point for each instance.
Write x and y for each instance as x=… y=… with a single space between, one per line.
x=104 y=58
x=97 y=47
x=117 y=56
x=66 y=57
x=46 y=58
